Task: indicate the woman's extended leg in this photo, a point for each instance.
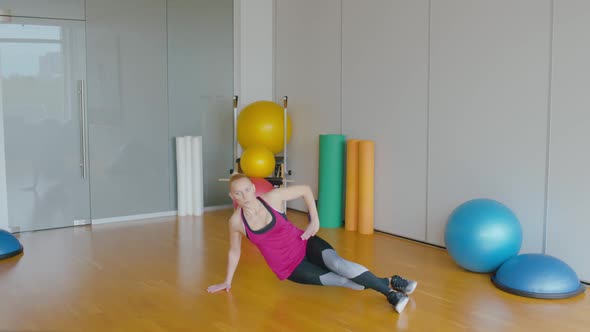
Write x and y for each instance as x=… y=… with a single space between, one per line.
x=311 y=274
x=323 y=266
x=321 y=253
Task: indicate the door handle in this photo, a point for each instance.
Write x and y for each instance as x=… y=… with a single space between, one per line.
x=83 y=132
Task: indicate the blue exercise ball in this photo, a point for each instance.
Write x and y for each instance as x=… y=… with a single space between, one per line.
x=9 y=245
x=538 y=276
x=481 y=234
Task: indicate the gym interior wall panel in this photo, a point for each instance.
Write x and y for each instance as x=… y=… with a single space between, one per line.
x=569 y=161
x=384 y=98
x=489 y=83
x=60 y=9
x=308 y=72
x=3 y=189
x=255 y=49
x=127 y=107
x=200 y=86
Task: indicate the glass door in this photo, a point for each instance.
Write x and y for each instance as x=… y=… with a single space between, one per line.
x=42 y=102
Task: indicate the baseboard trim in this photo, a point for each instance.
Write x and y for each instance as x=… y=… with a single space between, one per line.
x=218 y=207
x=135 y=217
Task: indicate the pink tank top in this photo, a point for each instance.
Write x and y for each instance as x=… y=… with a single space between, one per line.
x=279 y=242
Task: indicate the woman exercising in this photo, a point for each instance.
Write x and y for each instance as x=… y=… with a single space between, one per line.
x=292 y=253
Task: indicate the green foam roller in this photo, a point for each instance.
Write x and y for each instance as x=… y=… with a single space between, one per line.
x=331 y=180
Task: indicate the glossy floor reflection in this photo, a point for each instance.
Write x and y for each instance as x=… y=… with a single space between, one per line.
x=151 y=275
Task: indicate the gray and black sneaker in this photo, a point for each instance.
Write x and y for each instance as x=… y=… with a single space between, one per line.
x=397 y=300
x=403 y=285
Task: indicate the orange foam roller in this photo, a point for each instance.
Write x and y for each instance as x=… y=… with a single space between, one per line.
x=352 y=185
x=366 y=190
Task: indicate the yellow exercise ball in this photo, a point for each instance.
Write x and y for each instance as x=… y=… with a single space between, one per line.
x=257 y=161
x=261 y=123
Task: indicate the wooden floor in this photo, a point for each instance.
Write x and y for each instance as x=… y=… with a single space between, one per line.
x=151 y=276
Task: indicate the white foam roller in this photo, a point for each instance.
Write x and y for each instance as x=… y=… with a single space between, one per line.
x=189 y=175
x=197 y=175
x=181 y=175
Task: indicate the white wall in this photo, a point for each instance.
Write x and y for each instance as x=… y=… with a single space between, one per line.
x=489 y=83
x=384 y=98
x=568 y=215
x=454 y=93
x=127 y=107
x=308 y=72
x=200 y=88
x=254 y=33
x=3 y=189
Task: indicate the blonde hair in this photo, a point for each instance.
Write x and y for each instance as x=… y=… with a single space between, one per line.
x=235 y=177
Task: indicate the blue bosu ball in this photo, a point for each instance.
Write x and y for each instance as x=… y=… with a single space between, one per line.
x=538 y=276
x=9 y=245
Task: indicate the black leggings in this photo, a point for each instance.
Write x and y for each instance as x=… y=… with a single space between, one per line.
x=323 y=266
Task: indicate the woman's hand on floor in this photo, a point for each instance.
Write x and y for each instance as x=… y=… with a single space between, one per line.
x=218 y=287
